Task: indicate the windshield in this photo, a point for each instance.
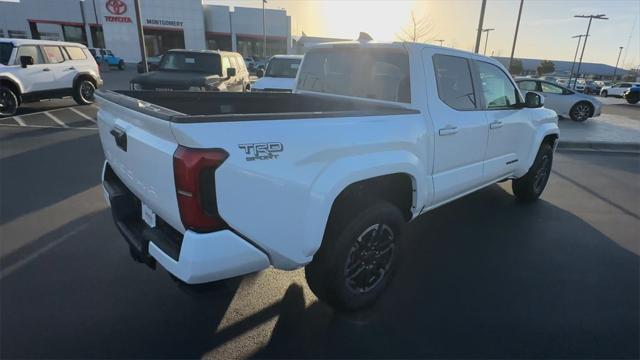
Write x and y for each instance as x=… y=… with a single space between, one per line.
x=282 y=68
x=5 y=52
x=196 y=62
x=381 y=74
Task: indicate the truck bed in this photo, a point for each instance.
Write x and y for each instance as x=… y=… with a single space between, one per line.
x=194 y=107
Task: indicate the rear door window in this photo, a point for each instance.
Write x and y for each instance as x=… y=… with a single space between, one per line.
x=381 y=74
x=453 y=78
x=53 y=54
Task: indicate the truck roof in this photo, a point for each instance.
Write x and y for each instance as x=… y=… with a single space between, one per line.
x=409 y=46
x=18 y=42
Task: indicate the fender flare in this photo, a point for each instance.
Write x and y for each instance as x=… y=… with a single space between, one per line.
x=542 y=132
x=345 y=171
x=14 y=81
x=85 y=73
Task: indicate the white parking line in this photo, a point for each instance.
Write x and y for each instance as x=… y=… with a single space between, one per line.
x=54 y=118
x=19 y=120
x=81 y=114
x=49 y=127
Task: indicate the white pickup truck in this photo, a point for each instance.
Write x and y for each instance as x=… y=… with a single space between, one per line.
x=215 y=185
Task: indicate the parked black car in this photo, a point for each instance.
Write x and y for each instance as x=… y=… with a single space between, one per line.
x=153 y=62
x=196 y=70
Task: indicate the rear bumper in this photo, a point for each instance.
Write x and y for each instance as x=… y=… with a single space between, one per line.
x=192 y=257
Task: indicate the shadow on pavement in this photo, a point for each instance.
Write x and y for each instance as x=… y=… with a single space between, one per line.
x=485 y=277
x=85 y=298
x=26 y=189
x=482 y=277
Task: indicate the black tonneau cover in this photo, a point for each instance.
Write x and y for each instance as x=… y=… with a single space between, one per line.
x=194 y=107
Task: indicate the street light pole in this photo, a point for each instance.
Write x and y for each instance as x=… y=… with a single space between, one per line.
x=574 y=57
x=586 y=37
x=615 y=71
x=264 y=33
x=486 y=40
x=480 y=24
x=440 y=41
x=143 y=50
x=515 y=36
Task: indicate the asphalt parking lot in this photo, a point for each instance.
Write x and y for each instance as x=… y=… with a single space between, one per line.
x=484 y=276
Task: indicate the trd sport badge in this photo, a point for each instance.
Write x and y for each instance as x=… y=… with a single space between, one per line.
x=262 y=151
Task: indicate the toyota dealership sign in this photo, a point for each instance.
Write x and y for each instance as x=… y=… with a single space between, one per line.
x=117 y=8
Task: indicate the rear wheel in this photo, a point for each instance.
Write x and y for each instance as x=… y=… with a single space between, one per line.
x=529 y=187
x=633 y=101
x=83 y=92
x=581 y=111
x=604 y=93
x=358 y=255
x=121 y=65
x=8 y=102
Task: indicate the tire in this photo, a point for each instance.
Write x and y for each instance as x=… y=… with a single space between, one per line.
x=604 y=93
x=121 y=65
x=529 y=187
x=350 y=247
x=632 y=101
x=83 y=92
x=581 y=111
x=8 y=102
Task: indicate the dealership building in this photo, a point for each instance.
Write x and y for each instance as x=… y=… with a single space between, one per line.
x=167 y=24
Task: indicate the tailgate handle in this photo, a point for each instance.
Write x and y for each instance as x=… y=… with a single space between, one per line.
x=121 y=138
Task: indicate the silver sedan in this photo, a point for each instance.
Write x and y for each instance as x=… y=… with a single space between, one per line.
x=565 y=102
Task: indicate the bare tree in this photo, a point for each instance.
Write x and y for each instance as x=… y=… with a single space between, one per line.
x=418 y=30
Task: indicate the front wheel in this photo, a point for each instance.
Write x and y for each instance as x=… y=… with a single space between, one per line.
x=581 y=111
x=83 y=92
x=358 y=255
x=529 y=187
x=8 y=102
x=632 y=101
x=121 y=65
x=604 y=94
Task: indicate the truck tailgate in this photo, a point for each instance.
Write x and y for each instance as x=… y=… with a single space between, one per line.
x=139 y=148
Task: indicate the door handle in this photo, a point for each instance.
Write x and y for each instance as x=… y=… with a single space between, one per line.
x=71 y=68
x=448 y=130
x=496 y=124
x=46 y=69
x=120 y=137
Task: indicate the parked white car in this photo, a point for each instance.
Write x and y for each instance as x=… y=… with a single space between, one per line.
x=280 y=74
x=32 y=70
x=219 y=185
x=617 y=89
x=565 y=102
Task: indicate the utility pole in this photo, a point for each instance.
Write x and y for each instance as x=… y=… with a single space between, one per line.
x=574 y=57
x=143 y=50
x=440 y=41
x=586 y=37
x=486 y=40
x=264 y=33
x=515 y=36
x=480 y=24
x=617 y=61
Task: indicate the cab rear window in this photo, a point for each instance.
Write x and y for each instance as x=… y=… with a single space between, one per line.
x=380 y=74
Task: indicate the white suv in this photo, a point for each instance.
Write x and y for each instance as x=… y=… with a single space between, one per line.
x=32 y=70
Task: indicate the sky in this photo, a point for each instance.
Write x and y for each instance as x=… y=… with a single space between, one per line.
x=545 y=32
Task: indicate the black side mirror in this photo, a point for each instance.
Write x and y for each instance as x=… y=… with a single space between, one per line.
x=260 y=73
x=533 y=100
x=231 y=72
x=26 y=61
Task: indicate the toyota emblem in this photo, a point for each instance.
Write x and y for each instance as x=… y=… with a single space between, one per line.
x=116 y=7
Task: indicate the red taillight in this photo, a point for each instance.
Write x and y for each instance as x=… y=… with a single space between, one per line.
x=194 y=172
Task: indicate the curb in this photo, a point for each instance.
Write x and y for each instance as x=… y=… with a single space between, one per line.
x=603 y=146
